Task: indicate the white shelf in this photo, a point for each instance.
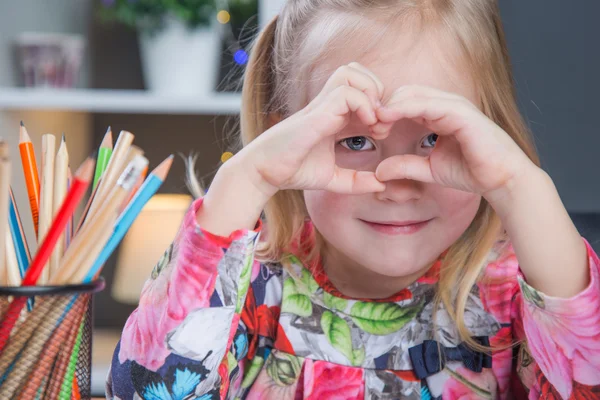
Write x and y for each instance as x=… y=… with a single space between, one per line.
x=117 y=101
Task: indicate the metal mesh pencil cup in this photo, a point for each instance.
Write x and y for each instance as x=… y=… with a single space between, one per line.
x=48 y=354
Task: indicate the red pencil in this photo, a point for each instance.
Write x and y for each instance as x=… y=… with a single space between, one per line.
x=77 y=190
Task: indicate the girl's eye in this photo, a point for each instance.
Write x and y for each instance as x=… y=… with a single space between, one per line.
x=357 y=143
x=429 y=141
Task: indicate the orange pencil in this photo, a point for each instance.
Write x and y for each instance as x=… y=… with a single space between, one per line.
x=30 y=171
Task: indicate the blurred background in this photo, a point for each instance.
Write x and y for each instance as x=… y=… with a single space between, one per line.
x=168 y=71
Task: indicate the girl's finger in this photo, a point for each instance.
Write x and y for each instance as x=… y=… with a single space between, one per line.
x=378 y=83
x=443 y=116
x=409 y=91
x=335 y=112
x=351 y=75
x=405 y=166
x=348 y=181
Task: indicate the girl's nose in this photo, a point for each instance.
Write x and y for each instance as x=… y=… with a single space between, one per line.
x=400 y=191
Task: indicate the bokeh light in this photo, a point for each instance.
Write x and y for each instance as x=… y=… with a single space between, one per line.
x=223 y=17
x=226 y=156
x=240 y=57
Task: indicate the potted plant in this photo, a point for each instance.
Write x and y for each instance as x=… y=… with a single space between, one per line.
x=179 y=42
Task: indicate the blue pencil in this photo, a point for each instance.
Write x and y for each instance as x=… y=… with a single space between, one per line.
x=133 y=209
x=18 y=237
x=16 y=230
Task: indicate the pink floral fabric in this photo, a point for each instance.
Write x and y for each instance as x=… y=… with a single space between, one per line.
x=214 y=323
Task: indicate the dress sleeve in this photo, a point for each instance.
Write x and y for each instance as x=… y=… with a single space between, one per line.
x=563 y=338
x=185 y=336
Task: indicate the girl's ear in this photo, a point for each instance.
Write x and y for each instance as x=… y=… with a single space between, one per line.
x=273 y=118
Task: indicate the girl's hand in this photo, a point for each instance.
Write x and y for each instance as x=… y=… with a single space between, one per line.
x=471 y=154
x=299 y=152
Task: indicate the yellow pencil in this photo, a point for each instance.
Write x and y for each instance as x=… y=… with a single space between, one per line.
x=46 y=192
x=61 y=167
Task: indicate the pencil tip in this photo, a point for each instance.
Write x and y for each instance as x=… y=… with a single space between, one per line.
x=63 y=139
x=22 y=124
x=163 y=168
x=109 y=129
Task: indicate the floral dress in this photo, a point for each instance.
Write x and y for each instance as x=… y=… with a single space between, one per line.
x=213 y=323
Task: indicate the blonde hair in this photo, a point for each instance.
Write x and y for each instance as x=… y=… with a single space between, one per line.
x=274 y=68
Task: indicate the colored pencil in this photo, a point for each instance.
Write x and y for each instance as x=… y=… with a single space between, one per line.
x=30 y=171
x=46 y=192
x=146 y=191
x=76 y=193
x=70 y=225
x=19 y=240
x=12 y=267
x=61 y=173
x=4 y=198
x=93 y=233
x=104 y=153
x=18 y=234
x=115 y=166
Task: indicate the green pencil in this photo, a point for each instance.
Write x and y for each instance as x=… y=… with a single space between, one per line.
x=104 y=153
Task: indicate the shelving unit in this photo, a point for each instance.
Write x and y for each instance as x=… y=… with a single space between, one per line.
x=117 y=101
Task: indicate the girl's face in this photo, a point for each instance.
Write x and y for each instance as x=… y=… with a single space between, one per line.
x=361 y=231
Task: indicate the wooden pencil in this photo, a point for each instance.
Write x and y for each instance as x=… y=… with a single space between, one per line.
x=86 y=210
x=104 y=153
x=4 y=198
x=46 y=193
x=134 y=151
x=12 y=266
x=61 y=167
x=137 y=185
x=91 y=232
x=84 y=248
x=115 y=166
x=81 y=182
x=70 y=226
x=16 y=227
x=31 y=174
x=146 y=191
x=94 y=250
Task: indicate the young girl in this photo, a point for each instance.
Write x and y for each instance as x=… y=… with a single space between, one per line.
x=412 y=248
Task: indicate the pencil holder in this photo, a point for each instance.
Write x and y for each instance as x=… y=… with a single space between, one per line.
x=48 y=354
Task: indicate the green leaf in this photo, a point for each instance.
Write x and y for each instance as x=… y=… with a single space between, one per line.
x=231 y=361
x=252 y=372
x=337 y=333
x=382 y=318
x=358 y=356
x=244 y=281
x=283 y=368
x=335 y=303
x=295 y=302
x=309 y=282
x=294 y=260
x=532 y=295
